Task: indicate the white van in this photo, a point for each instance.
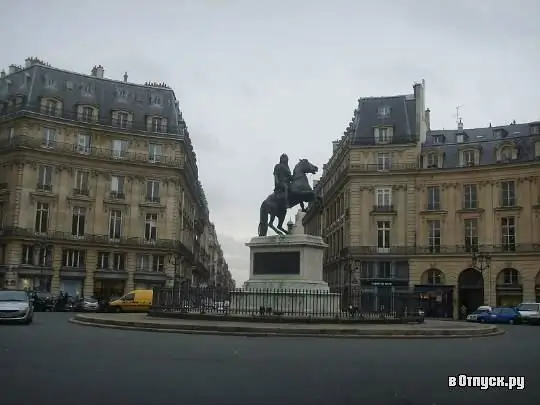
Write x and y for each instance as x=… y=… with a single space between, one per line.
x=530 y=312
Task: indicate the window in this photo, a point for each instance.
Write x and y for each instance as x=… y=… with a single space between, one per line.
x=383 y=161
x=506 y=154
x=154 y=152
x=48 y=138
x=87 y=114
x=510 y=276
x=50 y=83
x=508 y=225
x=120 y=147
x=535 y=130
x=122 y=120
x=158 y=263
x=103 y=260
x=42 y=217
x=432 y=160
x=383 y=111
x=460 y=138
x=468 y=158
x=156 y=124
x=508 y=194
x=128 y=297
x=117 y=186
x=383 y=236
x=384 y=197
x=81 y=182
x=78 y=221
x=87 y=90
x=115 y=224
x=152 y=191
x=470 y=227
x=434 y=236
x=119 y=261
x=384 y=270
x=383 y=135
x=155 y=100
x=73 y=258
x=470 y=196
x=121 y=94
x=143 y=263
x=83 y=143
x=434 y=198
x=44 y=178
x=10 y=135
x=150 y=227
x=438 y=139
x=27 y=256
x=434 y=276
x=51 y=107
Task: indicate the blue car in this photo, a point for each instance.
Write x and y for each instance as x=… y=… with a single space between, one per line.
x=500 y=315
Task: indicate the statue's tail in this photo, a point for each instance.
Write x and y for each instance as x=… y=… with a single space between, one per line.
x=263 y=224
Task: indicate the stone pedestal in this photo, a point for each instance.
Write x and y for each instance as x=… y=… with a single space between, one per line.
x=286 y=276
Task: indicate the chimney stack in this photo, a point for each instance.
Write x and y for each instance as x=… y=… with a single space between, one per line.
x=460 y=125
x=100 y=71
x=93 y=71
x=125 y=77
x=419 y=97
x=428 y=119
x=27 y=62
x=2 y=74
x=12 y=69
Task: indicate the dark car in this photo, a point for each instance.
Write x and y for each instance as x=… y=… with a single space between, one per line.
x=43 y=301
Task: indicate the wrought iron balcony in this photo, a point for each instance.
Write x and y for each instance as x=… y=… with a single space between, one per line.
x=441 y=250
x=81 y=191
x=27 y=142
x=384 y=209
x=116 y=195
x=44 y=187
x=391 y=167
x=105 y=240
x=90 y=120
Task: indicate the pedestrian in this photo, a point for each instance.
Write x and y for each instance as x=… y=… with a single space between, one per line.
x=463 y=311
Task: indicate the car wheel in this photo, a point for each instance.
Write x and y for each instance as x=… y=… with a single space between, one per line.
x=511 y=321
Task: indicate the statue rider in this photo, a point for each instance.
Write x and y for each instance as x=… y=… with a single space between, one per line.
x=282 y=178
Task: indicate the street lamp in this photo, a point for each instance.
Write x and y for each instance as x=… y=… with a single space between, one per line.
x=482 y=262
x=176 y=260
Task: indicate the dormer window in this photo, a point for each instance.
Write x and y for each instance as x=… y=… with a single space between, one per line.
x=501 y=132
x=155 y=100
x=432 y=160
x=50 y=83
x=157 y=123
x=462 y=137
x=468 y=158
x=535 y=129
x=506 y=153
x=122 y=94
x=438 y=139
x=383 y=135
x=87 y=90
x=383 y=111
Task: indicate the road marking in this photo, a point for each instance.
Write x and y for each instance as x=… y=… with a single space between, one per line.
x=486 y=382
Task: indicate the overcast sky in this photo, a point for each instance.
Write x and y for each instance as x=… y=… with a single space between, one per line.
x=258 y=78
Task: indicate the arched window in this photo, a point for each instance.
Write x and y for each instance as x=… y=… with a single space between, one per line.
x=509 y=276
x=434 y=276
x=506 y=153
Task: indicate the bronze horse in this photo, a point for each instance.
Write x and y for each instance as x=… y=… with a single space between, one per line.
x=299 y=192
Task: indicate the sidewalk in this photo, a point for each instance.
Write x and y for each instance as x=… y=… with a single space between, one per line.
x=429 y=329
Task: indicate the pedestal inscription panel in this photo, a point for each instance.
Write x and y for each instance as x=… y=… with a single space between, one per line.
x=268 y=263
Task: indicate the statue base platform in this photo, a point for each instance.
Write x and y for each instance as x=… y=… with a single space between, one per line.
x=286 y=278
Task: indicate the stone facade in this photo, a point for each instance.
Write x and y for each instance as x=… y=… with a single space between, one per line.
x=453 y=214
x=98 y=185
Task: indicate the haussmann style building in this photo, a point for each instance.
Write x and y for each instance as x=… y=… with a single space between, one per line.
x=99 y=188
x=452 y=214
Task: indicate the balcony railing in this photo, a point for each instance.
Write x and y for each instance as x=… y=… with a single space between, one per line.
x=44 y=187
x=164 y=244
x=355 y=167
x=81 y=191
x=443 y=249
x=37 y=110
x=116 y=195
x=27 y=142
x=384 y=208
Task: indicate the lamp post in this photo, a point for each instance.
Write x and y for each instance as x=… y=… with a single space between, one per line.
x=176 y=260
x=482 y=263
x=39 y=246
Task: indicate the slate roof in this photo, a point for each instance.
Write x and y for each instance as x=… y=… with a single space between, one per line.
x=487 y=139
x=31 y=82
x=402 y=117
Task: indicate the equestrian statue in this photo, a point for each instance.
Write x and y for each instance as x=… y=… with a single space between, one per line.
x=289 y=191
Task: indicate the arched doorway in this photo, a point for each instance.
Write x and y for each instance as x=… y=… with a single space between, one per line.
x=435 y=297
x=509 y=288
x=470 y=290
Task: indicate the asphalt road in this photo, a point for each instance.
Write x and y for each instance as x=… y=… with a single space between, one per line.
x=55 y=362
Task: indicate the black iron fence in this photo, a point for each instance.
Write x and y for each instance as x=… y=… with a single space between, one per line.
x=355 y=303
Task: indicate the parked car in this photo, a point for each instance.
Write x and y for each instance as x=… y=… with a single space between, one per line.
x=530 y=312
x=16 y=306
x=89 y=305
x=43 y=301
x=500 y=315
x=474 y=316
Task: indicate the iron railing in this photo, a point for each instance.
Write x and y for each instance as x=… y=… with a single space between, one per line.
x=19 y=142
x=442 y=249
x=353 y=303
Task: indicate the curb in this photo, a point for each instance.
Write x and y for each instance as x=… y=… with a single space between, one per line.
x=253 y=332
